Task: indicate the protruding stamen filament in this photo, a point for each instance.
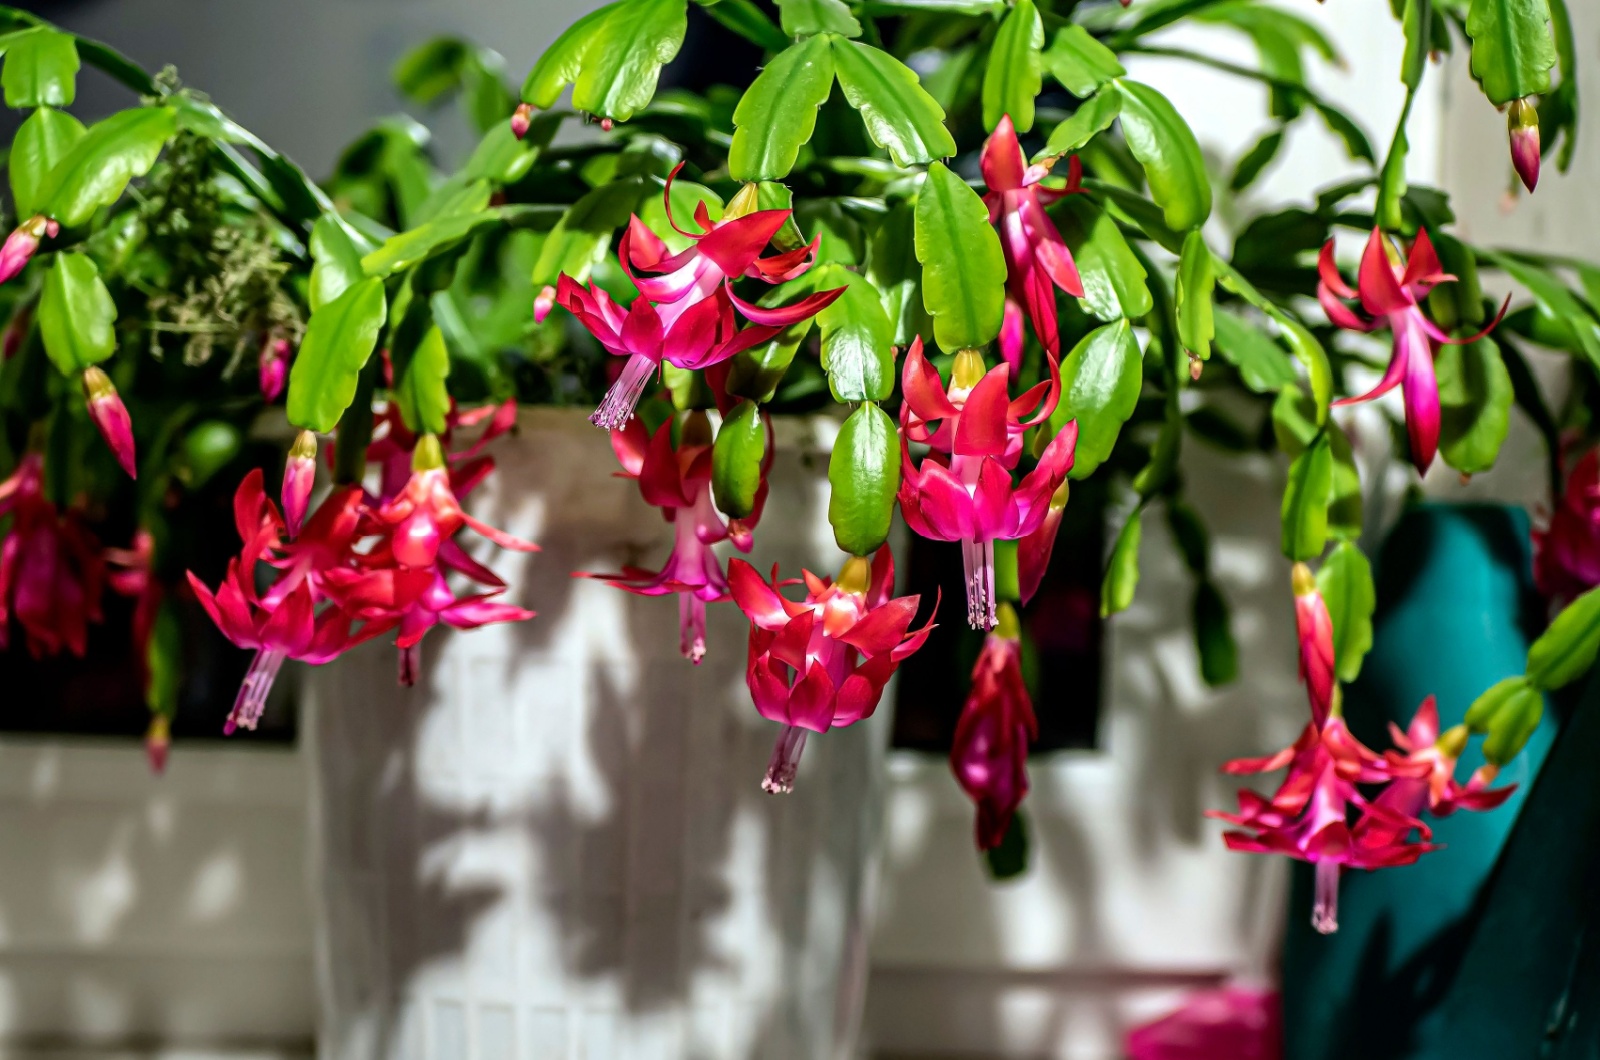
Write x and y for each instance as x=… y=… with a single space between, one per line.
x=785 y=761
x=617 y=408
x=692 y=627
x=410 y=665
x=978 y=560
x=1325 y=910
x=253 y=690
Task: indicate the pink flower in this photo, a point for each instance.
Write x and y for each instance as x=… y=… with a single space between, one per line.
x=521 y=119
x=963 y=490
x=1315 y=629
x=822 y=662
x=1230 y=1023
x=989 y=754
x=1423 y=747
x=299 y=475
x=1308 y=817
x=273 y=366
x=21 y=244
x=1522 y=128
x=1037 y=258
x=110 y=417
x=1391 y=295
x=51 y=570
x=1566 y=554
x=678 y=481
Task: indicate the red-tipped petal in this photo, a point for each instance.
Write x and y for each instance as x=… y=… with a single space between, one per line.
x=1379 y=289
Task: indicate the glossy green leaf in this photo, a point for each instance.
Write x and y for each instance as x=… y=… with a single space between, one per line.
x=1475 y=398
x=1213 y=636
x=1513 y=49
x=1345 y=505
x=1091 y=119
x=625 y=56
x=963 y=269
x=1294 y=421
x=1122 y=570
x=1508 y=712
x=1080 y=62
x=1556 y=299
x=1255 y=160
x=778 y=112
x=1165 y=146
x=1309 y=352
x=1262 y=363
x=747 y=19
x=562 y=62
x=41 y=69
x=416 y=245
x=1194 y=294
x=335 y=261
x=1305 y=502
x=430 y=70
x=803 y=18
x=864 y=475
x=339 y=338
x=583 y=235
x=857 y=338
x=423 y=395
x=1345 y=581
x=39 y=146
x=1100 y=383
x=736 y=459
x=113 y=152
x=1565 y=651
x=1013 y=76
x=1113 y=279
x=899 y=114
x=77 y=318
x=893 y=269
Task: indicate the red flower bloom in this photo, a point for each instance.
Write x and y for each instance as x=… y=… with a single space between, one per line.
x=51 y=570
x=1566 y=554
x=822 y=662
x=990 y=752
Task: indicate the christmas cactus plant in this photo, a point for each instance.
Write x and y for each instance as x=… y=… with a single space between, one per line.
x=962 y=225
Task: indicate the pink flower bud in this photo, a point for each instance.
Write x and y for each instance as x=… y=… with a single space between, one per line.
x=1522 y=124
x=157 y=743
x=543 y=302
x=606 y=124
x=110 y=416
x=274 y=366
x=299 y=473
x=20 y=245
x=1315 y=630
x=521 y=119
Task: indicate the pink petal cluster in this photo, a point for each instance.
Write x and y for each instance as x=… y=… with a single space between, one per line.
x=963 y=489
x=1037 y=258
x=110 y=417
x=1391 y=293
x=989 y=754
x=684 y=314
x=677 y=479
x=824 y=661
x=52 y=573
x=1566 y=553
x=1228 y=1023
x=359 y=567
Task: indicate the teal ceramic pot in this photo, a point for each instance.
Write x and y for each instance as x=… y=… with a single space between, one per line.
x=1456 y=612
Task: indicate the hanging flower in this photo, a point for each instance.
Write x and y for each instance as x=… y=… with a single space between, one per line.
x=110 y=417
x=1037 y=258
x=823 y=662
x=51 y=570
x=1522 y=129
x=1391 y=295
x=1566 y=554
x=989 y=754
x=22 y=243
x=678 y=481
x=1314 y=627
x=963 y=490
x=1436 y=790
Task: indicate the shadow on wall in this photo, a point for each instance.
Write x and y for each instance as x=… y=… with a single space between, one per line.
x=558 y=839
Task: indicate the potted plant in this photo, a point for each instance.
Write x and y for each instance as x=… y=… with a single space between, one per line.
x=877 y=224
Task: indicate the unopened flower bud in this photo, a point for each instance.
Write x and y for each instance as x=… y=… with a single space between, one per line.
x=521 y=119
x=299 y=474
x=20 y=245
x=274 y=366
x=157 y=743
x=110 y=416
x=1522 y=125
x=543 y=302
x=606 y=124
x=1314 y=627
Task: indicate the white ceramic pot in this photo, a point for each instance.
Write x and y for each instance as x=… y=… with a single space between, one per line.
x=556 y=845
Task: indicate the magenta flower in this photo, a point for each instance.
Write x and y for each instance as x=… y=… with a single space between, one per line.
x=110 y=416
x=299 y=475
x=1314 y=627
x=963 y=490
x=1566 y=554
x=678 y=481
x=822 y=662
x=989 y=754
x=51 y=571
x=1522 y=129
x=1391 y=294
x=1229 y=1023
x=21 y=244
x=1037 y=258
x=1436 y=790
x=273 y=366
x=521 y=119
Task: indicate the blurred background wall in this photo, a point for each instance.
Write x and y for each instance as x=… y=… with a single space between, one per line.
x=142 y=913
